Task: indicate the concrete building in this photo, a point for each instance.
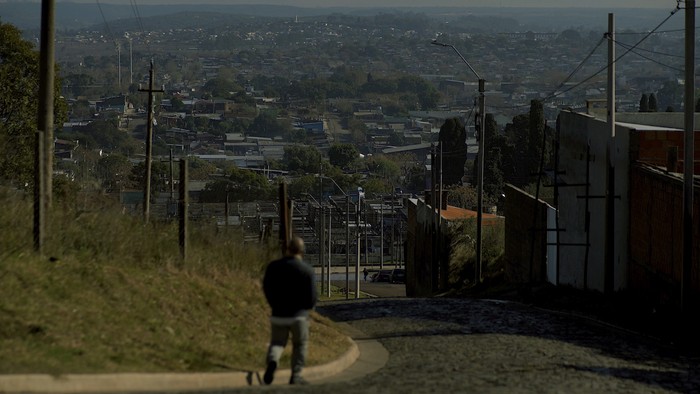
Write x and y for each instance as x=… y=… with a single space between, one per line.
x=642 y=140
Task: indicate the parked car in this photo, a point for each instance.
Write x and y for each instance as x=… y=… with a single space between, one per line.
x=382 y=276
x=398 y=275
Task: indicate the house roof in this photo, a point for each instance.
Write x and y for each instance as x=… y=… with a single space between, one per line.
x=455 y=213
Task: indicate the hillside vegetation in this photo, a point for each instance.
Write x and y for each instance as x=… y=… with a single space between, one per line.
x=112 y=295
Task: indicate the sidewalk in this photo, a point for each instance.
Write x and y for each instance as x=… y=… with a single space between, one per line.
x=364 y=356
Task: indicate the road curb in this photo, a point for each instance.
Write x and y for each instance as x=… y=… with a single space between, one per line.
x=164 y=382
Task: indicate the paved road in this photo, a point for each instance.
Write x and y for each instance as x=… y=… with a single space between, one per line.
x=482 y=346
x=376 y=289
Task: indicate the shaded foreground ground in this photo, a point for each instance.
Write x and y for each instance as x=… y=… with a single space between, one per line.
x=472 y=345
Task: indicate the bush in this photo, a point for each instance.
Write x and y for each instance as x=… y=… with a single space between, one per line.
x=463 y=251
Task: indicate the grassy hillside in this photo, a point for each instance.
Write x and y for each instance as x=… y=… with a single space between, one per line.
x=111 y=295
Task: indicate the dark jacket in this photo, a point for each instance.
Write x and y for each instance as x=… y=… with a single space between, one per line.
x=289 y=287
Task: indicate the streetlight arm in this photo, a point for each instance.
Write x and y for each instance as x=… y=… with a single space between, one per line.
x=436 y=42
x=480 y=160
x=334 y=182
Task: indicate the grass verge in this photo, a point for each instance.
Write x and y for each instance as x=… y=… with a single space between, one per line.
x=111 y=294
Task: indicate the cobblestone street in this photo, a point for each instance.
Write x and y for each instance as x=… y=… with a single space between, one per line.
x=484 y=346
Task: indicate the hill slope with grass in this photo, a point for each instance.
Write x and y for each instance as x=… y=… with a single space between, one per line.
x=111 y=294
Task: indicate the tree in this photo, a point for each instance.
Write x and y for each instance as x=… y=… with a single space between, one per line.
x=241 y=185
x=267 y=125
x=221 y=87
x=670 y=95
x=517 y=137
x=644 y=103
x=200 y=169
x=652 y=103
x=358 y=130
x=343 y=155
x=493 y=175
x=159 y=176
x=19 y=89
x=414 y=179
x=396 y=138
x=81 y=110
x=114 y=172
x=307 y=184
x=104 y=134
x=375 y=186
x=453 y=144
x=493 y=162
x=303 y=159
x=384 y=168
x=535 y=136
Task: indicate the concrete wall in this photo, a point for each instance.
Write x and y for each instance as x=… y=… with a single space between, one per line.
x=580 y=266
x=420 y=270
x=525 y=241
x=427 y=268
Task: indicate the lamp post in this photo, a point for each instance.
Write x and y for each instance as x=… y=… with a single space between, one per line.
x=480 y=159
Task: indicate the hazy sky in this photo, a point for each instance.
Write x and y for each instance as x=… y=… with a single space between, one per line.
x=606 y=4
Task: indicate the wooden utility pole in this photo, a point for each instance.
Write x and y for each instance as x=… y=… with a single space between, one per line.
x=689 y=156
x=609 y=265
x=347 y=246
x=284 y=228
x=43 y=145
x=149 y=145
x=183 y=209
x=46 y=89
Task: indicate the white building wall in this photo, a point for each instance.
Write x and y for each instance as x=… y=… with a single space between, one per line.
x=577 y=131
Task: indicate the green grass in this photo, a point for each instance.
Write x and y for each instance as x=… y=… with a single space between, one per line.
x=111 y=294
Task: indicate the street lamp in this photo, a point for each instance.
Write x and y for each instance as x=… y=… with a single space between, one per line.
x=480 y=162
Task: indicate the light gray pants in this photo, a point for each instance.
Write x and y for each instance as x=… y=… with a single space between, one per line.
x=299 y=328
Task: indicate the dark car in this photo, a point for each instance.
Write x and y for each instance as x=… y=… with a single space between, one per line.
x=398 y=275
x=382 y=276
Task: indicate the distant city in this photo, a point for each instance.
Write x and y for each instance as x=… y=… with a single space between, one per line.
x=221 y=67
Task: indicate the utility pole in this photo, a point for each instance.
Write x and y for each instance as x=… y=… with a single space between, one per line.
x=609 y=265
x=689 y=156
x=347 y=246
x=321 y=225
x=480 y=181
x=149 y=145
x=119 y=65
x=330 y=248
x=172 y=178
x=442 y=259
x=381 y=237
x=480 y=160
x=357 y=240
x=183 y=209
x=434 y=270
x=43 y=145
x=393 y=230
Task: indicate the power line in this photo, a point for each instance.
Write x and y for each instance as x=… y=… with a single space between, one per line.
x=648 y=58
x=139 y=21
x=597 y=73
x=622 y=44
x=109 y=31
x=614 y=61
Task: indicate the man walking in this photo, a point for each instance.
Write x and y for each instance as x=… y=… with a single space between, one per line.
x=290 y=290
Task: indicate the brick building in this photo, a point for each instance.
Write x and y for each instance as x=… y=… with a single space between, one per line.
x=647 y=209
